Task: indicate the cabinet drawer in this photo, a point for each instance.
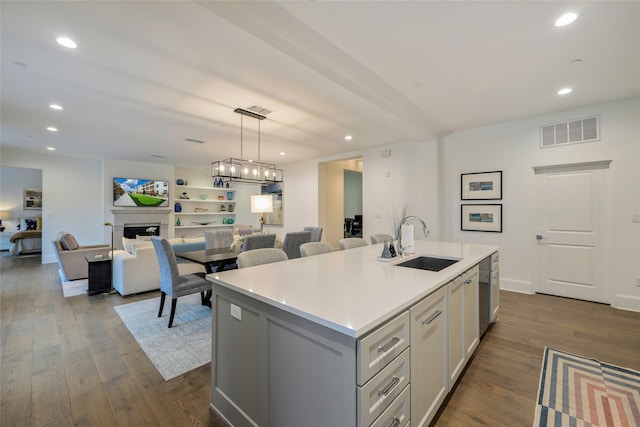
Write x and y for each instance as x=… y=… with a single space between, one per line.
x=398 y=413
x=376 y=395
x=382 y=346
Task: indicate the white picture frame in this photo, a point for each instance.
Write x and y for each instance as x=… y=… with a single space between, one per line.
x=481 y=218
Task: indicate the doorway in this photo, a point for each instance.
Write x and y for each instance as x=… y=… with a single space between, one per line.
x=331 y=196
x=572 y=217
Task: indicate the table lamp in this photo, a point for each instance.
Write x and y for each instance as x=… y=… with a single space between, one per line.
x=4 y=215
x=261 y=204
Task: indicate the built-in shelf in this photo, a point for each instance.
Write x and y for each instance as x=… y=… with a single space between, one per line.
x=194 y=187
x=203 y=213
x=205 y=201
x=178 y=227
x=140 y=210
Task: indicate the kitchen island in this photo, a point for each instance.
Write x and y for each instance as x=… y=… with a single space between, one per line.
x=327 y=340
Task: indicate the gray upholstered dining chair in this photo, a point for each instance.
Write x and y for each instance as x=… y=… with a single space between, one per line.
x=315 y=248
x=218 y=239
x=292 y=242
x=258 y=241
x=352 y=242
x=316 y=233
x=260 y=256
x=380 y=238
x=171 y=282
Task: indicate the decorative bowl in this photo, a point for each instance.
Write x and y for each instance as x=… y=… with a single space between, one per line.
x=203 y=197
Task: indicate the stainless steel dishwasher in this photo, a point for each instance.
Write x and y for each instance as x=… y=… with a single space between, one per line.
x=489 y=289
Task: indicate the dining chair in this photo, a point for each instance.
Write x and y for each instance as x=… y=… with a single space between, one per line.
x=380 y=238
x=260 y=256
x=243 y=229
x=316 y=233
x=258 y=241
x=292 y=242
x=171 y=282
x=352 y=242
x=218 y=239
x=315 y=248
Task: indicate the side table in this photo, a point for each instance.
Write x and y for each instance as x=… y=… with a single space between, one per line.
x=99 y=275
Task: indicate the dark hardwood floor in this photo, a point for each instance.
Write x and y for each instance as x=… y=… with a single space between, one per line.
x=71 y=361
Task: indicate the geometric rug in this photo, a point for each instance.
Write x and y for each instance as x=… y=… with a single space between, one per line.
x=176 y=350
x=576 y=391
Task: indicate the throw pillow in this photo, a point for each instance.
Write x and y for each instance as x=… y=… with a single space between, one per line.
x=127 y=244
x=32 y=224
x=69 y=242
x=39 y=219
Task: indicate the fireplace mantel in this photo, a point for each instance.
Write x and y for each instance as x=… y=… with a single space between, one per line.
x=122 y=216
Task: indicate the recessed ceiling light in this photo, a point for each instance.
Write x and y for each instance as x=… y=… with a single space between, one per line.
x=67 y=42
x=51 y=148
x=565 y=91
x=566 y=19
x=55 y=106
x=52 y=129
x=348 y=137
x=282 y=153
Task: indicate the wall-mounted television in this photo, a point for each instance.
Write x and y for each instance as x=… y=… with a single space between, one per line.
x=147 y=193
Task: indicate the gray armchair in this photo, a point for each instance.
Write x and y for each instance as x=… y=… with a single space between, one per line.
x=218 y=239
x=174 y=284
x=316 y=233
x=72 y=261
x=292 y=242
x=258 y=241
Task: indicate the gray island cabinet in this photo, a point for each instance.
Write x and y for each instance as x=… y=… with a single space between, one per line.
x=342 y=339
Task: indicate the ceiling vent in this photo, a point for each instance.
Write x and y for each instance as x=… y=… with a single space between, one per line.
x=572 y=132
x=259 y=110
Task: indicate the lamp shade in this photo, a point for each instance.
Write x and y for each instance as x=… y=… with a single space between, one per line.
x=4 y=215
x=262 y=203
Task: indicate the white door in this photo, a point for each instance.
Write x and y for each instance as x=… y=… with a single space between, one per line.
x=572 y=217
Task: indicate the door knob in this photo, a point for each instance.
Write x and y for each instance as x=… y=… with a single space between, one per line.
x=540 y=237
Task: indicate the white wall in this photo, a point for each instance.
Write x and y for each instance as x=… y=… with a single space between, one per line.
x=513 y=147
x=72 y=196
x=407 y=178
x=13 y=182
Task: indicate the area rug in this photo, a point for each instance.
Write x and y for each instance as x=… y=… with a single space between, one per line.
x=73 y=288
x=176 y=350
x=576 y=391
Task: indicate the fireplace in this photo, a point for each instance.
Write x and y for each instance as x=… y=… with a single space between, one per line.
x=130 y=231
x=136 y=221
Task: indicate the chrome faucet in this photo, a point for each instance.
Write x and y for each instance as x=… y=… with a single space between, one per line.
x=425 y=230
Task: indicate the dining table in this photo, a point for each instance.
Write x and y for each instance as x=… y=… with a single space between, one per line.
x=213 y=260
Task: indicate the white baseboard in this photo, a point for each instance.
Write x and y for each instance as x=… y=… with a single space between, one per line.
x=626 y=302
x=516 y=286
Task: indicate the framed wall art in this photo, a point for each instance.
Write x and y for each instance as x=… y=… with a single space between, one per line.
x=481 y=218
x=481 y=186
x=32 y=199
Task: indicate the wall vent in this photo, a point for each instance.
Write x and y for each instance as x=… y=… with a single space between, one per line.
x=571 y=132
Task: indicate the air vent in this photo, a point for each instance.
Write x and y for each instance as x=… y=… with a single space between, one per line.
x=572 y=132
x=259 y=110
x=197 y=141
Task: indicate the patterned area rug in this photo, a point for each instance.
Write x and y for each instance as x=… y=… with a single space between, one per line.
x=183 y=347
x=576 y=391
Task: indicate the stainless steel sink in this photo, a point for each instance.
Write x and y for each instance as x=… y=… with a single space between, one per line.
x=428 y=263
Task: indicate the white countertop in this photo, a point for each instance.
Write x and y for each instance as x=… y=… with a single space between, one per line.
x=350 y=291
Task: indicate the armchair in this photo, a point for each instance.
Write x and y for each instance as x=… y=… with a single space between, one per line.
x=72 y=262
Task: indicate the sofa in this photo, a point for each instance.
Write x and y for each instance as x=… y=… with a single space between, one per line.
x=71 y=256
x=136 y=269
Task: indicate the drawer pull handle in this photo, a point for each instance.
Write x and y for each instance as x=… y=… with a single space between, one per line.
x=432 y=317
x=385 y=391
x=395 y=422
x=387 y=346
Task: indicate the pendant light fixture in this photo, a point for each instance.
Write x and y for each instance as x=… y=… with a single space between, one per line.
x=248 y=171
